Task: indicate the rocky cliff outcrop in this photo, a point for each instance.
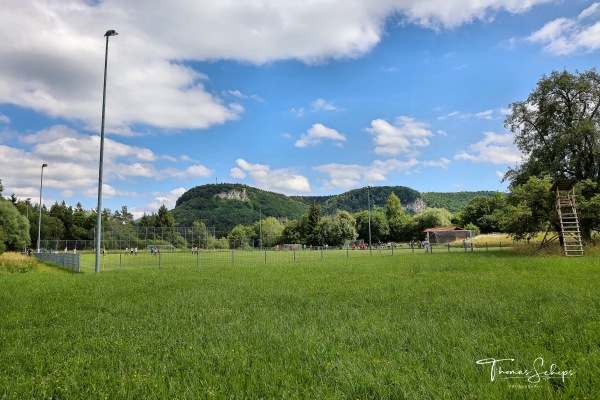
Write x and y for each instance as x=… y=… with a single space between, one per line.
x=239 y=195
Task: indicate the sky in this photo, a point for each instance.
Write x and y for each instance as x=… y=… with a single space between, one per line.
x=296 y=97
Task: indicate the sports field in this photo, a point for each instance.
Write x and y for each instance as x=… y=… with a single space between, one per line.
x=369 y=327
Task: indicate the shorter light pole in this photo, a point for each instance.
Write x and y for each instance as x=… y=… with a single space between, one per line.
x=369 y=201
x=260 y=229
x=40 y=219
x=27 y=200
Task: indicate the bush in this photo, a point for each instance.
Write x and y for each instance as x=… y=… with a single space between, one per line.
x=14 y=262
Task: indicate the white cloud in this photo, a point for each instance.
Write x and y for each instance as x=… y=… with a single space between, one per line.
x=4 y=119
x=345 y=176
x=298 y=112
x=53 y=51
x=494 y=148
x=167 y=199
x=452 y=13
x=564 y=36
x=317 y=133
x=72 y=160
x=278 y=180
x=198 y=171
x=401 y=138
x=237 y=173
x=487 y=114
x=187 y=158
x=321 y=104
x=442 y=163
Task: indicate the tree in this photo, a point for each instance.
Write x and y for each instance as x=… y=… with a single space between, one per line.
x=530 y=208
x=291 y=232
x=164 y=219
x=271 y=231
x=310 y=227
x=324 y=231
x=398 y=221
x=484 y=212
x=239 y=235
x=432 y=218
x=344 y=228
x=199 y=234
x=558 y=130
x=380 y=229
x=15 y=227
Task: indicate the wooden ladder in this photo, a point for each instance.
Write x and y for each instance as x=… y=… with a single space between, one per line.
x=569 y=223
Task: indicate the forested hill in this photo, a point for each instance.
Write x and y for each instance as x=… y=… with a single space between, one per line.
x=358 y=199
x=454 y=201
x=225 y=205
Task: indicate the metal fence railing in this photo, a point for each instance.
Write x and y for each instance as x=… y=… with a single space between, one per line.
x=71 y=261
x=173 y=257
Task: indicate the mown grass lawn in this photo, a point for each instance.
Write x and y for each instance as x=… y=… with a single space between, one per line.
x=371 y=327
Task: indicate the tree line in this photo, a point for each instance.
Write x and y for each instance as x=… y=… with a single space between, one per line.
x=557 y=128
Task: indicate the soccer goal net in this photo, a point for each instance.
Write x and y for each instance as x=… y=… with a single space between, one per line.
x=450 y=236
x=160 y=248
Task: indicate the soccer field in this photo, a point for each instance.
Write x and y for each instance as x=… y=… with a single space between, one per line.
x=403 y=326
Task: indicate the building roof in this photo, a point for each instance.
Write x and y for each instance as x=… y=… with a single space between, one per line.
x=444 y=228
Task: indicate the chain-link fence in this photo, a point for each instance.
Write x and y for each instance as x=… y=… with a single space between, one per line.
x=167 y=257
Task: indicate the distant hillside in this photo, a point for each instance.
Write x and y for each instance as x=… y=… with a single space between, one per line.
x=225 y=205
x=454 y=201
x=357 y=200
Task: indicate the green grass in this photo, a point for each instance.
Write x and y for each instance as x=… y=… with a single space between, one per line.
x=410 y=326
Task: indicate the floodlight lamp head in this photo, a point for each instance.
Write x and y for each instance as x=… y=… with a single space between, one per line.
x=44 y=165
x=111 y=32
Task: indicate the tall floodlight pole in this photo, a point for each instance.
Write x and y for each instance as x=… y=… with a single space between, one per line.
x=369 y=201
x=40 y=220
x=108 y=34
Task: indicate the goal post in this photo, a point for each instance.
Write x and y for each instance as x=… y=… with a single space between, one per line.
x=459 y=236
x=162 y=248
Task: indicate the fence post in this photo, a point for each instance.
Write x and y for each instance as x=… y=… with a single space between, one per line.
x=486 y=246
x=197 y=257
x=232 y=257
x=472 y=247
x=412 y=246
x=265 y=256
x=120 y=261
x=294 y=256
x=449 y=248
x=347 y=254
x=159 y=260
x=321 y=253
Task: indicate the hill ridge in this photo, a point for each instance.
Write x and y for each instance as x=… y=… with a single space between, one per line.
x=225 y=205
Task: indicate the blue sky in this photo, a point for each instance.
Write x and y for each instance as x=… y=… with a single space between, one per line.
x=300 y=98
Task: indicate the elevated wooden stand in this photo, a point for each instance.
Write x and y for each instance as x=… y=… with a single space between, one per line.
x=567 y=213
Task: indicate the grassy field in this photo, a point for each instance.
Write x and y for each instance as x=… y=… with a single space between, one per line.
x=381 y=327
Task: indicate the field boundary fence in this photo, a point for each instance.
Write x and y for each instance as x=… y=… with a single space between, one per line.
x=71 y=261
x=236 y=256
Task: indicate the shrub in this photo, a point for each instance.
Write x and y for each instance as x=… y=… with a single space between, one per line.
x=14 y=262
